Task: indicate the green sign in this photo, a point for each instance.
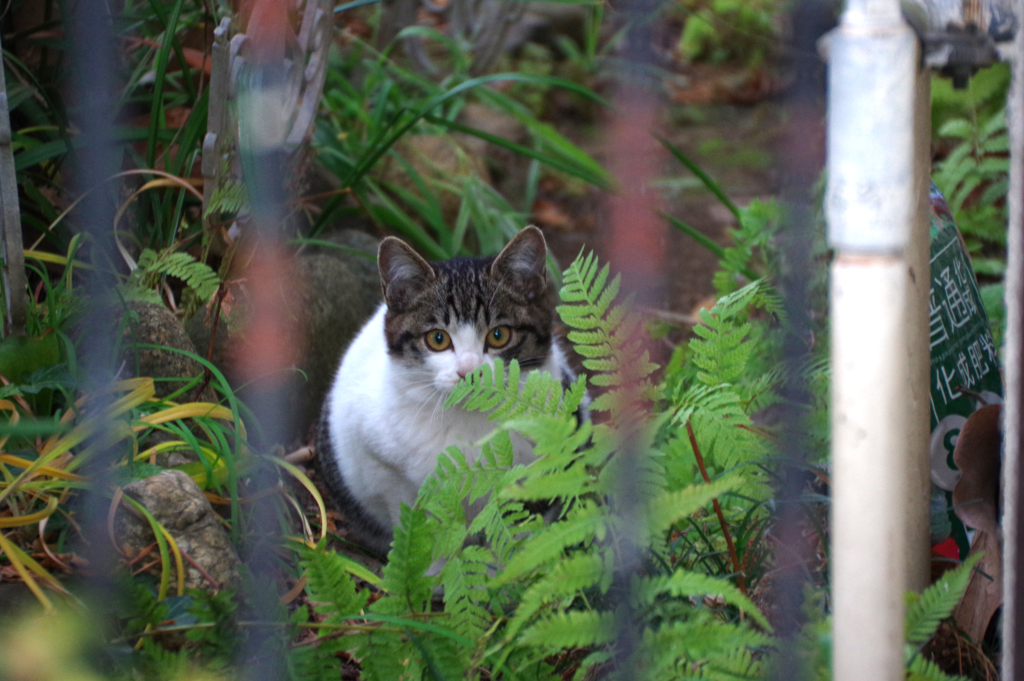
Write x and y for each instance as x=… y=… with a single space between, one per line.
x=964 y=361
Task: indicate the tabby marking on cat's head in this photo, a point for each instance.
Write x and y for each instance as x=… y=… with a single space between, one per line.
x=447 y=318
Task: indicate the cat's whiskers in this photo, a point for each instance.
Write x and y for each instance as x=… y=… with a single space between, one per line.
x=439 y=410
x=420 y=390
x=424 y=392
x=438 y=402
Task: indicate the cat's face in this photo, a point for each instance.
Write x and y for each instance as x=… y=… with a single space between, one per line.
x=446 y=319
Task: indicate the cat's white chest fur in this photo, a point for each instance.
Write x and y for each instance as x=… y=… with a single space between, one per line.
x=387 y=421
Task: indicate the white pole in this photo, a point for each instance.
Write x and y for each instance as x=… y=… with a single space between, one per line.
x=876 y=195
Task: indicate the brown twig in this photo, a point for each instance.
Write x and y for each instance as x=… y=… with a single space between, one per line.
x=757 y=431
x=206 y=575
x=142 y=554
x=222 y=291
x=148 y=566
x=733 y=557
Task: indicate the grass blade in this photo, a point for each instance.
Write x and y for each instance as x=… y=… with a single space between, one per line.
x=706 y=242
x=156 y=109
x=701 y=175
x=558 y=164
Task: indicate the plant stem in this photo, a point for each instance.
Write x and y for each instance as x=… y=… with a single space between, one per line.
x=740 y=582
x=222 y=291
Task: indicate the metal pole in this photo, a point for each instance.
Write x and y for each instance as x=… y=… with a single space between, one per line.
x=11 y=246
x=94 y=84
x=917 y=258
x=1013 y=472
x=801 y=156
x=636 y=244
x=873 y=201
x=268 y=351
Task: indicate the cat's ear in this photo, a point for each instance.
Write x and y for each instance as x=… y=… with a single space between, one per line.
x=523 y=262
x=403 y=272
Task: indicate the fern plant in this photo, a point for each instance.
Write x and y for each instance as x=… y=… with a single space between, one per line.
x=200 y=281
x=518 y=589
x=481 y=583
x=975 y=179
x=973 y=175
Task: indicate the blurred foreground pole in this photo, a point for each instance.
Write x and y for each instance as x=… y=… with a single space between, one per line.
x=12 y=276
x=637 y=251
x=801 y=157
x=875 y=205
x=1013 y=413
x=267 y=353
x=94 y=105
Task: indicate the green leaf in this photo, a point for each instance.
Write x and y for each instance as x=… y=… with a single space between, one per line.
x=687 y=583
x=573 y=629
x=925 y=612
x=671 y=507
x=958 y=127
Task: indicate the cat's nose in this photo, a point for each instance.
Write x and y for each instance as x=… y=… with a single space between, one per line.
x=467 y=364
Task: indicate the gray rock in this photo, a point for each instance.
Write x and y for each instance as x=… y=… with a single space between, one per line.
x=335 y=293
x=148 y=323
x=355 y=240
x=335 y=302
x=177 y=503
x=199 y=330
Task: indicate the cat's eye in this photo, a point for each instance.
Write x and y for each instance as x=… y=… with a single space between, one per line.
x=499 y=336
x=438 y=340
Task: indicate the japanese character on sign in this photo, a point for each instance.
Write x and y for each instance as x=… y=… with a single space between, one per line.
x=975 y=352
x=946 y=389
x=990 y=348
x=936 y=327
x=958 y=306
x=964 y=371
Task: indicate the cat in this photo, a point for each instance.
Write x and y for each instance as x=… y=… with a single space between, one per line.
x=383 y=422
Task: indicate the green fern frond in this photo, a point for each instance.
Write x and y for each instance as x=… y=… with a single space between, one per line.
x=934 y=604
x=202 y=281
x=581 y=525
x=456 y=483
x=440 y=656
x=314 y=663
x=386 y=655
x=230 y=197
x=687 y=583
x=563 y=582
x=330 y=586
x=410 y=557
x=573 y=629
x=672 y=506
x=702 y=647
x=925 y=670
x=563 y=470
x=758 y=222
x=196 y=275
x=608 y=338
x=731 y=665
x=134 y=289
x=722 y=351
x=505 y=396
x=960 y=128
x=464 y=578
x=978 y=160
